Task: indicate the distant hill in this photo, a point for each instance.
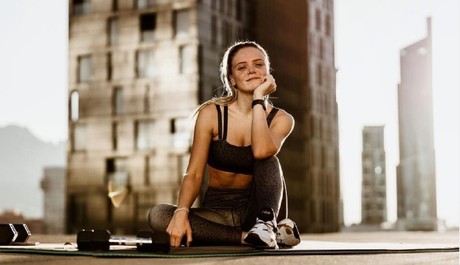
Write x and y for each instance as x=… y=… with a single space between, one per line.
x=22 y=160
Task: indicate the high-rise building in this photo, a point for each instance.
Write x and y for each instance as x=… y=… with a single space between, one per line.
x=139 y=68
x=416 y=174
x=373 y=193
x=299 y=37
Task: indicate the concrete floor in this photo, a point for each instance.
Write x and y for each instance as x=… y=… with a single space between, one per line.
x=437 y=258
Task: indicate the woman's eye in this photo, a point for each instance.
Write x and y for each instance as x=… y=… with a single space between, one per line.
x=241 y=68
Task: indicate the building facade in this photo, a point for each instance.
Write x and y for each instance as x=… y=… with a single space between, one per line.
x=373 y=193
x=416 y=174
x=139 y=68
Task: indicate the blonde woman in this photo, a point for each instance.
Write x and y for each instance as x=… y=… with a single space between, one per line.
x=236 y=139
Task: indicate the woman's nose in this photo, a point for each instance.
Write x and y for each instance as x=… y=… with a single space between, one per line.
x=251 y=69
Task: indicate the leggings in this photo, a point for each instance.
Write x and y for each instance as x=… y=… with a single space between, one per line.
x=225 y=213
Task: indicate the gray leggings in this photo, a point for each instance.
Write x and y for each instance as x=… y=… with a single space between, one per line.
x=225 y=213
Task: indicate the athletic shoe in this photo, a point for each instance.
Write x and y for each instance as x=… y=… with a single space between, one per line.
x=287 y=234
x=263 y=233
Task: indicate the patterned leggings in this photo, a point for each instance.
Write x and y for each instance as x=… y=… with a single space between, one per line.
x=225 y=213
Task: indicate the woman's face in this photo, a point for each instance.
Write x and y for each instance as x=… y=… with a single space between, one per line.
x=248 y=69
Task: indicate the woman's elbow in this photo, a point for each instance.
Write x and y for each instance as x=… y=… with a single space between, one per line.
x=264 y=154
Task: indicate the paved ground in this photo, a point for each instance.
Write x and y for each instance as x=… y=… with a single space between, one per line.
x=441 y=258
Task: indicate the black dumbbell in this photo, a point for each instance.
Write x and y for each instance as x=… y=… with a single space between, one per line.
x=145 y=241
x=14 y=234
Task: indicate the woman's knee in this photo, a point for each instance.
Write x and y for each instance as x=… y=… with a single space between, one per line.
x=160 y=215
x=270 y=165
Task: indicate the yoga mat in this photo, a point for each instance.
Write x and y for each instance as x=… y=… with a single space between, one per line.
x=304 y=248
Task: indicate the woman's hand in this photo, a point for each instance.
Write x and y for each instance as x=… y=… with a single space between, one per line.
x=178 y=227
x=267 y=87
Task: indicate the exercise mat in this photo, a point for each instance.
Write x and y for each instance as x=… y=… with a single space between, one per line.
x=306 y=247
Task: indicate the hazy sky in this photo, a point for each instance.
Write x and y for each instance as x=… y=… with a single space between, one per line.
x=369 y=36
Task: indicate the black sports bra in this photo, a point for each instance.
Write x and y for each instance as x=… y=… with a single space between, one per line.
x=228 y=157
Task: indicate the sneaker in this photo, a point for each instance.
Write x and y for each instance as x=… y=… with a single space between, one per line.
x=287 y=234
x=263 y=233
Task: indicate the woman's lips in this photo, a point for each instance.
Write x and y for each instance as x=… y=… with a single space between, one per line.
x=253 y=78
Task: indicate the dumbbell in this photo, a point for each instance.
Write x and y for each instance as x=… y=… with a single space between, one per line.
x=145 y=241
x=14 y=234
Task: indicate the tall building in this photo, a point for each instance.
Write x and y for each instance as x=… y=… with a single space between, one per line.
x=373 y=193
x=299 y=37
x=139 y=68
x=416 y=174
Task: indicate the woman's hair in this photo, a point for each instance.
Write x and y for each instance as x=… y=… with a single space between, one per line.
x=230 y=94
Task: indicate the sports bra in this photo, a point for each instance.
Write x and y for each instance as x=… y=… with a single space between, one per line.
x=228 y=157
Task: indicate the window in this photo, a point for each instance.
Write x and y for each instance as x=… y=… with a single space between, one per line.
x=145 y=135
x=180 y=132
x=186 y=65
x=114 y=136
x=227 y=32
x=239 y=10
x=182 y=23
x=145 y=64
x=117 y=101
x=144 y=3
x=112 y=29
x=327 y=25
x=319 y=74
x=321 y=48
x=148 y=25
x=84 y=68
x=81 y=7
x=117 y=180
x=79 y=138
x=230 y=5
x=145 y=200
x=109 y=66
x=214 y=30
x=147 y=99
x=74 y=106
x=318 y=20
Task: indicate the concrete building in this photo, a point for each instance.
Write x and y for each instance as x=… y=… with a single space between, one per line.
x=416 y=174
x=138 y=69
x=299 y=36
x=373 y=193
x=54 y=188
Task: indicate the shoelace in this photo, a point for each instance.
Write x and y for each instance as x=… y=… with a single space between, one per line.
x=268 y=223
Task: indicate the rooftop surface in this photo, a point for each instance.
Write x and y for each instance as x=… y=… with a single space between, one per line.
x=439 y=258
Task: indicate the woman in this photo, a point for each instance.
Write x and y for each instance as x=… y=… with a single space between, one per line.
x=237 y=136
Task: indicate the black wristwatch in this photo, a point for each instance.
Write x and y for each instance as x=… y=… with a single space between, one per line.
x=261 y=102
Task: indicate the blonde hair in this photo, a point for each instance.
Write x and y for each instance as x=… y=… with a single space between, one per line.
x=230 y=94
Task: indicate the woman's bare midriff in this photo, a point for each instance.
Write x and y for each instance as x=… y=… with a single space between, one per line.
x=228 y=180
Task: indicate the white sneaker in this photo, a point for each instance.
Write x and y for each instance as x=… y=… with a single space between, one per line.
x=287 y=234
x=263 y=233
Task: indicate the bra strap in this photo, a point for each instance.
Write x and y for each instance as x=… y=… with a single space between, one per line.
x=225 y=122
x=219 y=120
x=271 y=115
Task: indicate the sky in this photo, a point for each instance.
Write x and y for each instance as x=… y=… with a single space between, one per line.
x=369 y=35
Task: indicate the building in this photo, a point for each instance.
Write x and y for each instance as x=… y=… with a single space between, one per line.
x=373 y=193
x=299 y=36
x=54 y=190
x=138 y=69
x=416 y=174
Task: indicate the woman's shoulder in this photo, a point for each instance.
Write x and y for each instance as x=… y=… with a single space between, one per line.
x=207 y=111
x=283 y=113
x=284 y=117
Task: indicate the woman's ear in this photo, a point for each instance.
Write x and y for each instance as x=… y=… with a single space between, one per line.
x=232 y=81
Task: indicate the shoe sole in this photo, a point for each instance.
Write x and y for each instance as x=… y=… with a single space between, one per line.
x=290 y=231
x=256 y=242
